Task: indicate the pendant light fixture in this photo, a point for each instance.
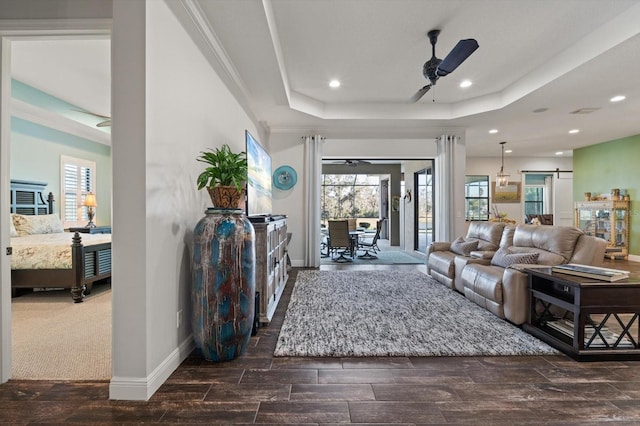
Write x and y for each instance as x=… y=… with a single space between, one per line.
x=502 y=178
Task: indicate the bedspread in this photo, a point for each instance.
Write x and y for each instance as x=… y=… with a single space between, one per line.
x=48 y=251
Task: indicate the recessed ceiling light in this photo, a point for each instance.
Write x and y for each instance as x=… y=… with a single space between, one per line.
x=618 y=98
x=465 y=83
x=559 y=153
x=492 y=131
x=508 y=151
x=572 y=131
x=334 y=83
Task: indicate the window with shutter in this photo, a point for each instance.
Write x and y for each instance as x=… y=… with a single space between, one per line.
x=78 y=179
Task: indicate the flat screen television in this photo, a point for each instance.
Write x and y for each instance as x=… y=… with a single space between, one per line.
x=258 y=178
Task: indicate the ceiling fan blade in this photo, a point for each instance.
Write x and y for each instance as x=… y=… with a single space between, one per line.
x=458 y=55
x=420 y=93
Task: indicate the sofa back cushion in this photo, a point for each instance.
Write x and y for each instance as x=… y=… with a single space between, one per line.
x=556 y=240
x=589 y=251
x=507 y=236
x=487 y=234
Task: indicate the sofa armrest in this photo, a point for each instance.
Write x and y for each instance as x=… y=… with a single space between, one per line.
x=483 y=254
x=515 y=293
x=439 y=246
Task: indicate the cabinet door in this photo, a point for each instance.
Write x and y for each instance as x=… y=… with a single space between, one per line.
x=620 y=220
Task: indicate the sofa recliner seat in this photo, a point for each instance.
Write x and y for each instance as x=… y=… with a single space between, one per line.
x=441 y=259
x=504 y=291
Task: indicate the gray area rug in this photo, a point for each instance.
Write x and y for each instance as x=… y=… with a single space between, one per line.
x=384 y=257
x=392 y=313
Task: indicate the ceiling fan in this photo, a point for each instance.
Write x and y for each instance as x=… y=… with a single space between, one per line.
x=435 y=68
x=352 y=163
x=105 y=123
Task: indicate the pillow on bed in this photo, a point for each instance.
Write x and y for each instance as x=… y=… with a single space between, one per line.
x=12 y=228
x=39 y=224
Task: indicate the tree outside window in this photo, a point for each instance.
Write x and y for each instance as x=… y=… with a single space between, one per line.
x=476 y=191
x=350 y=196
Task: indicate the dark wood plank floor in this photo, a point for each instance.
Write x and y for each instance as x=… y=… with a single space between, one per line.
x=258 y=388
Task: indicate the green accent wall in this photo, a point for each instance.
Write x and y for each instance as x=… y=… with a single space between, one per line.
x=614 y=164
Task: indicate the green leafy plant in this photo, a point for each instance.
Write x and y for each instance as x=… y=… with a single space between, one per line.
x=226 y=168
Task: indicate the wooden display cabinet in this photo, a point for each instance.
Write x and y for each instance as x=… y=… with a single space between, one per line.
x=607 y=219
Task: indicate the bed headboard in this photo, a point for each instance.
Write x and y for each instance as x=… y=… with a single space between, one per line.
x=27 y=197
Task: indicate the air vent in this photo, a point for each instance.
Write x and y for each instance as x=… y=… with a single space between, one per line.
x=584 y=111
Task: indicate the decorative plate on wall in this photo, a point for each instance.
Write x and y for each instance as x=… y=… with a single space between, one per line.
x=285 y=177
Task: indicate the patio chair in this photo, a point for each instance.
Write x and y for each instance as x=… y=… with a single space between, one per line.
x=371 y=245
x=339 y=242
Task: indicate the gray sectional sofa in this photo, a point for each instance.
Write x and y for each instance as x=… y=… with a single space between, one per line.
x=496 y=281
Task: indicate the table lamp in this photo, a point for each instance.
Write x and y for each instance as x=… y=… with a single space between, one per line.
x=90 y=201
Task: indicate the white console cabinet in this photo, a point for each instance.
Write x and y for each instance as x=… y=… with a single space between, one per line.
x=271 y=265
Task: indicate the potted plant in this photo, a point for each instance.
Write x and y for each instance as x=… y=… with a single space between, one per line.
x=225 y=176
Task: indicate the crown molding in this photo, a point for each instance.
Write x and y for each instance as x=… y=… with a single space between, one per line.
x=51 y=28
x=58 y=122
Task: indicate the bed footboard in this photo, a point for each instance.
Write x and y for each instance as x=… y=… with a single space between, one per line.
x=89 y=264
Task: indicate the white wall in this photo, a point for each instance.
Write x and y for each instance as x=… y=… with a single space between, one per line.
x=288 y=149
x=179 y=107
x=513 y=166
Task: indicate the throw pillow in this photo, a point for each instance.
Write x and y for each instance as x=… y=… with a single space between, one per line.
x=499 y=258
x=462 y=247
x=505 y=258
x=12 y=228
x=38 y=224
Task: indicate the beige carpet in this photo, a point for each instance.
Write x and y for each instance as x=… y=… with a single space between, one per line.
x=56 y=339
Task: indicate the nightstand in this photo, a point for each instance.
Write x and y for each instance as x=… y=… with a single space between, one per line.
x=94 y=230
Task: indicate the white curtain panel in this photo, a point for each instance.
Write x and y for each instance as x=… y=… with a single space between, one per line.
x=312 y=183
x=445 y=188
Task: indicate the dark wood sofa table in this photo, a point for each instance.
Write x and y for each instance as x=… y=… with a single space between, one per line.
x=587 y=319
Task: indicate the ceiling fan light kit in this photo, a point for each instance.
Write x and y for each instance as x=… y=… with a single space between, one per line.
x=435 y=67
x=502 y=178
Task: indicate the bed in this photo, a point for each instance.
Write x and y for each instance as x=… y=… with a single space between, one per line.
x=52 y=259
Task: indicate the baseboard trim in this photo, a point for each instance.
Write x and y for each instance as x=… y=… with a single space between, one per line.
x=634 y=258
x=143 y=388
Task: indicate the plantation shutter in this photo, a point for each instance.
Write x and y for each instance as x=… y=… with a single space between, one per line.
x=78 y=179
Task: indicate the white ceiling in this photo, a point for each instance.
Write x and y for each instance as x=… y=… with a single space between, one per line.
x=559 y=55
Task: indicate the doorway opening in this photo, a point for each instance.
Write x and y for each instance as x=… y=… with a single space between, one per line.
x=31 y=111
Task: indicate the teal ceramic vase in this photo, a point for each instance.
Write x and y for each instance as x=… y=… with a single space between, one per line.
x=223 y=284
